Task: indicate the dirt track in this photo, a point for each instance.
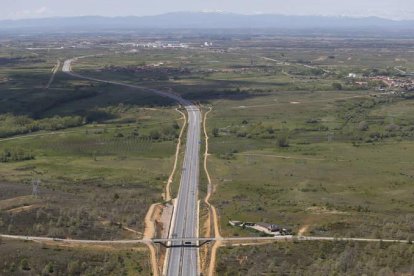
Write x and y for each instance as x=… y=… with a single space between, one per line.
x=213 y=211
x=167 y=195
x=148 y=235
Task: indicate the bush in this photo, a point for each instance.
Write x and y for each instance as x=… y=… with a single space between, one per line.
x=215 y=132
x=48 y=269
x=363 y=126
x=24 y=264
x=155 y=134
x=11 y=125
x=392 y=127
x=73 y=268
x=282 y=141
x=283 y=138
x=14 y=155
x=98 y=116
x=312 y=121
x=337 y=86
x=57 y=122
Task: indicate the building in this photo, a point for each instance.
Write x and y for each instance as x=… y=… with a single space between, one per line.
x=263 y=226
x=235 y=223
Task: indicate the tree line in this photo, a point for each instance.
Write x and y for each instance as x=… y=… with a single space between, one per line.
x=11 y=125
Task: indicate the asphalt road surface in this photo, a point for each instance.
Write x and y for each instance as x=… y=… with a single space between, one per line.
x=181 y=260
x=184 y=260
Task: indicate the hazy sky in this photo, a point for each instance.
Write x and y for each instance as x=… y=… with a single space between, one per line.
x=395 y=9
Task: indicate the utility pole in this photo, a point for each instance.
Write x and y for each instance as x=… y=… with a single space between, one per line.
x=330 y=136
x=35 y=187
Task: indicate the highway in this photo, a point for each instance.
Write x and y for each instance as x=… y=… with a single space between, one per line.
x=184 y=260
x=181 y=260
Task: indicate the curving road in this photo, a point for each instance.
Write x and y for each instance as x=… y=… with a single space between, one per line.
x=181 y=260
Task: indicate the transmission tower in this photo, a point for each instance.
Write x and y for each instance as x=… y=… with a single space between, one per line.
x=35 y=187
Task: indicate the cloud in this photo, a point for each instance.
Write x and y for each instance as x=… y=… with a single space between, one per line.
x=33 y=13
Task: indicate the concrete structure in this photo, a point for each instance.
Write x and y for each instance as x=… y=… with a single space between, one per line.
x=268 y=227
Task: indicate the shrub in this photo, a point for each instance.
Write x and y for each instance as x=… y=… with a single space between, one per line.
x=73 y=268
x=363 y=126
x=14 y=155
x=312 y=121
x=16 y=125
x=155 y=134
x=392 y=127
x=282 y=141
x=337 y=86
x=215 y=132
x=24 y=264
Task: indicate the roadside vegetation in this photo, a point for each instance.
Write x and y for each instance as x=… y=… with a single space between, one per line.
x=317 y=258
x=21 y=258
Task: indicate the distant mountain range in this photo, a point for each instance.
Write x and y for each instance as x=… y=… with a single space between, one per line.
x=204 y=20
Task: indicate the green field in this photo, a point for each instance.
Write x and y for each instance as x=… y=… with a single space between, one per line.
x=111 y=172
x=332 y=177
x=29 y=258
x=317 y=258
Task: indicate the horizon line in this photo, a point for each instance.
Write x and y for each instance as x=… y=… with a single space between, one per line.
x=211 y=12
